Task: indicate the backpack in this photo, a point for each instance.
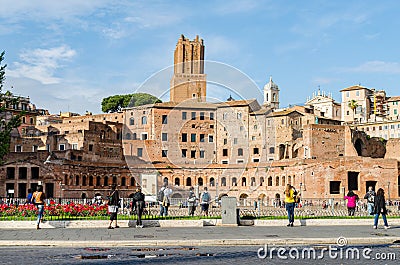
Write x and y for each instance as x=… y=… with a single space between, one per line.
x=205 y=197
x=160 y=195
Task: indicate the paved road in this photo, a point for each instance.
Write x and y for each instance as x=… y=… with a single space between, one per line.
x=196 y=255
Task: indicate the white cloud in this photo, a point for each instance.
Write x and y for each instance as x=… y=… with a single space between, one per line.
x=42 y=64
x=375 y=67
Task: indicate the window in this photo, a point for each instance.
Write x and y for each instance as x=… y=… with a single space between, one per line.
x=277 y=181
x=132 y=121
x=74 y=146
x=240 y=161
x=357 y=93
x=202 y=138
x=177 y=182
x=35 y=172
x=193 y=115
x=347 y=94
x=234 y=181
x=256 y=160
x=164 y=119
x=241 y=128
x=224 y=116
x=140 y=152
x=252 y=181
x=164 y=137
x=192 y=153
x=11 y=173
x=201 y=153
x=184 y=115
x=223 y=181
x=272 y=150
x=90 y=147
x=164 y=153
x=212 y=182
x=225 y=141
x=34 y=148
x=240 y=152
x=188 y=181
x=184 y=152
x=352 y=180
x=144 y=136
x=210 y=138
x=348 y=113
x=211 y=116
x=225 y=162
x=134 y=136
x=224 y=152
x=200 y=181
x=128 y=136
x=253 y=138
x=283 y=121
x=261 y=180
x=193 y=137
x=61 y=147
x=334 y=187
x=270 y=181
x=395 y=112
x=243 y=181
x=235 y=140
x=184 y=137
x=239 y=115
x=144 y=120
x=201 y=115
x=255 y=151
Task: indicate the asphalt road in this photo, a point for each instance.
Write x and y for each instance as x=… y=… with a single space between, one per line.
x=377 y=254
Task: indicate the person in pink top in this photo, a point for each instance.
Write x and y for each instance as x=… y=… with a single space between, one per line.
x=351 y=202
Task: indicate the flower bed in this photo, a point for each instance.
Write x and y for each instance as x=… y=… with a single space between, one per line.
x=53 y=211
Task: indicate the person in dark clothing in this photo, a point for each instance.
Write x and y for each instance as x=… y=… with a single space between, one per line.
x=113 y=203
x=380 y=208
x=29 y=197
x=138 y=201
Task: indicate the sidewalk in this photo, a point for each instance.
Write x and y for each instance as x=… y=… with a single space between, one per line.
x=199 y=236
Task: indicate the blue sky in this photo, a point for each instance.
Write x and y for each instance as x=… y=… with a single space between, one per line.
x=68 y=55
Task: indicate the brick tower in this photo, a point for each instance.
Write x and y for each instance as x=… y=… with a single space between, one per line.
x=189 y=80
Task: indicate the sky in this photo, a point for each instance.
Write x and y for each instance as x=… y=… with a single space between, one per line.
x=69 y=55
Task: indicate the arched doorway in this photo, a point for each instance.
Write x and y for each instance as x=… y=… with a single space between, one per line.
x=243 y=199
x=277 y=201
x=261 y=199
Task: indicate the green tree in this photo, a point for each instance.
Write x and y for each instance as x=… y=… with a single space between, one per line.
x=117 y=102
x=7 y=121
x=353 y=104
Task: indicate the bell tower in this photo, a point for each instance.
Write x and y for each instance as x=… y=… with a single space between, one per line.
x=271 y=94
x=189 y=80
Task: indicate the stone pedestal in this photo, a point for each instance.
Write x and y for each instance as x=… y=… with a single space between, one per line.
x=229 y=213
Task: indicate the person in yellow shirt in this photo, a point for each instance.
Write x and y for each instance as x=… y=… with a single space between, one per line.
x=39 y=197
x=290 y=203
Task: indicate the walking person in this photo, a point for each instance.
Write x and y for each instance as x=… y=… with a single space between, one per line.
x=191 y=202
x=370 y=196
x=351 y=202
x=39 y=197
x=113 y=203
x=380 y=208
x=138 y=201
x=205 y=201
x=289 y=203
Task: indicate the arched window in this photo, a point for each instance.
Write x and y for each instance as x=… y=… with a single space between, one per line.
x=253 y=181
x=66 y=179
x=240 y=152
x=90 y=180
x=83 y=180
x=274 y=97
x=98 y=181
x=223 y=181
x=261 y=181
x=134 y=136
x=289 y=180
x=270 y=181
x=105 y=183
x=165 y=180
x=212 y=182
x=31 y=120
x=144 y=120
x=200 y=181
x=132 y=181
x=76 y=180
x=132 y=121
x=123 y=181
x=283 y=181
x=188 y=181
x=234 y=181
x=243 y=181
x=277 y=181
x=177 y=182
